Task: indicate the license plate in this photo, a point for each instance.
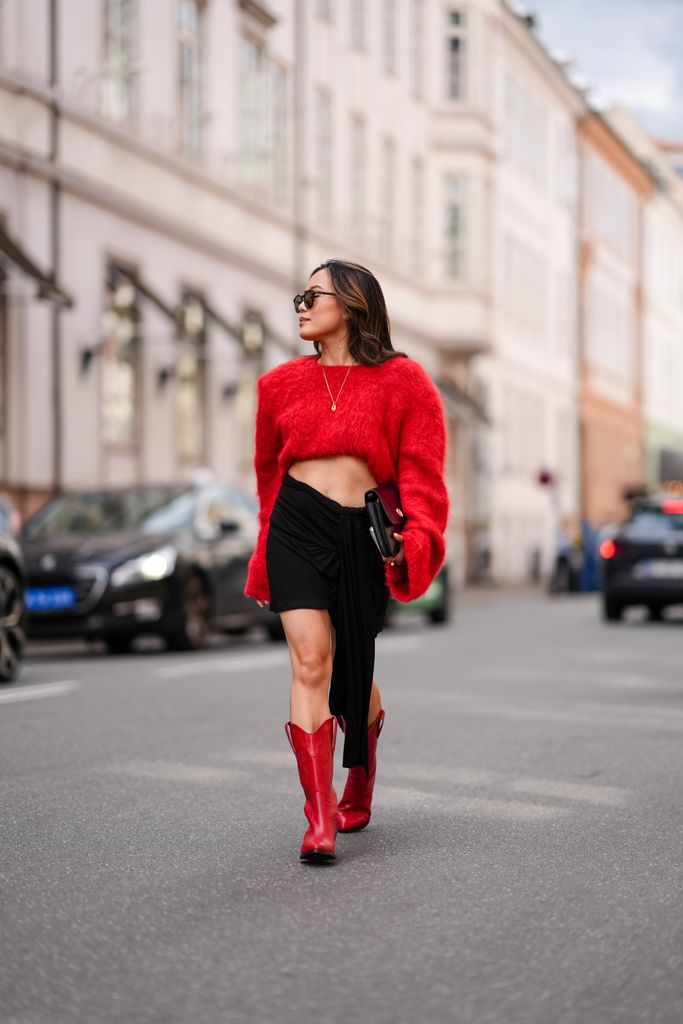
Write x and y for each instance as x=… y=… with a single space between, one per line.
x=659 y=569
x=50 y=599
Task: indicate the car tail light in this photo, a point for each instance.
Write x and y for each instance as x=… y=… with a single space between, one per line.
x=673 y=506
x=608 y=549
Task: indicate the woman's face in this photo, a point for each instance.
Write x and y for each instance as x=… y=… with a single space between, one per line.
x=324 y=321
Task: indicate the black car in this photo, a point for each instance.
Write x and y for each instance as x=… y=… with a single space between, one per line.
x=163 y=560
x=642 y=558
x=12 y=582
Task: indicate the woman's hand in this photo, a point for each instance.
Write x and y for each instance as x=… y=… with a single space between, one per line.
x=400 y=554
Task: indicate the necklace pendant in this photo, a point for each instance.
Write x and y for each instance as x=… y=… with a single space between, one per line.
x=333 y=407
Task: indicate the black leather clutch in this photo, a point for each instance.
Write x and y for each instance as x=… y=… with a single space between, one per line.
x=383 y=505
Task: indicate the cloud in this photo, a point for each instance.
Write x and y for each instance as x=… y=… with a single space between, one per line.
x=628 y=49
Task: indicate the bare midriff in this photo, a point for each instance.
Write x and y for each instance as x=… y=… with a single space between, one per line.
x=342 y=478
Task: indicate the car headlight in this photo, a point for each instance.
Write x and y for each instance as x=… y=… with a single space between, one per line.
x=155 y=565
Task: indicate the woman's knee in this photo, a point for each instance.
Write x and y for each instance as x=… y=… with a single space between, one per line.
x=312 y=667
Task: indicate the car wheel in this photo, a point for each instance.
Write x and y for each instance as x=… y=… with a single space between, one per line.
x=193 y=631
x=612 y=610
x=118 y=644
x=11 y=631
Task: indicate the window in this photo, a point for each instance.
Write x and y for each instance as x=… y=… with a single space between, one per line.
x=525 y=289
x=357 y=178
x=390 y=37
x=324 y=164
x=278 y=141
x=263 y=112
x=612 y=207
x=525 y=130
x=418 y=216
x=116 y=99
x=189 y=26
x=417 y=37
x=358 y=8
x=190 y=381
x=253 y=125
x=455 y=55
x=120 y=342
x=454 y=228
x=387 y=200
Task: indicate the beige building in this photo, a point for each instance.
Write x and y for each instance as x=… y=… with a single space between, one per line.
x=614 y=188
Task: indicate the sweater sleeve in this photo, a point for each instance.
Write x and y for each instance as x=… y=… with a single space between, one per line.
x=424 y=498
x=268 y=479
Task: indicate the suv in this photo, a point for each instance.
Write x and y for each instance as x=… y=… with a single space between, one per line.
x=12 y=583
x=642 y=558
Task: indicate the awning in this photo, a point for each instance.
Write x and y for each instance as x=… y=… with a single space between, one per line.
x=118 y=274
x=458 y=404
x=48 y=289
x=225 y=325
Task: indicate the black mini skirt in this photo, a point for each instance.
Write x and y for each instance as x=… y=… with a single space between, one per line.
x=319 y=554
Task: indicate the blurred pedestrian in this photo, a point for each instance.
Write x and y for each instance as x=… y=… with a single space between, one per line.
x=330 y=427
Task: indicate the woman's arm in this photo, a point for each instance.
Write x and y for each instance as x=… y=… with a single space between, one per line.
x=268 y=479
x=424 y=498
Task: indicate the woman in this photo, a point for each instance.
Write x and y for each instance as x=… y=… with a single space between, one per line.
x=329 y=427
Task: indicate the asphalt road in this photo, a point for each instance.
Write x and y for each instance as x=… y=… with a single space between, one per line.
x=523 y=865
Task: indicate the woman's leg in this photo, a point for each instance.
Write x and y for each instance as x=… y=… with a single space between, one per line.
x=375 y=703
x=310 y=651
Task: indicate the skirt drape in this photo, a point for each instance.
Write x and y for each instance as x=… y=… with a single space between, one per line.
x=320 y=554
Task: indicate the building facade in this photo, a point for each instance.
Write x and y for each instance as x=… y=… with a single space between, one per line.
x=170 y=174
x=614 y=188
x=662 y=367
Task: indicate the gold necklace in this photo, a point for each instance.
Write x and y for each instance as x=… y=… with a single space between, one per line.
x=333 y=407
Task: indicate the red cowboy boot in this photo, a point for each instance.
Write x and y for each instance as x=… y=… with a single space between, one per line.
x=314 y=752
x=354 y=809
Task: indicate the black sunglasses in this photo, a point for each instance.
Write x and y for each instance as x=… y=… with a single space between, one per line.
x=308 y=298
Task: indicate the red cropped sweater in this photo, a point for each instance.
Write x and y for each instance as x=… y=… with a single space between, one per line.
x=391 y=417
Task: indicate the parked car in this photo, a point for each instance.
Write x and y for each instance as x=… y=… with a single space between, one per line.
x=12 y=584
x=641 y=560
x=164 y=560
x=436 y=604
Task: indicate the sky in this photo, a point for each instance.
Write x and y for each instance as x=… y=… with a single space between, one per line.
x=630 y=51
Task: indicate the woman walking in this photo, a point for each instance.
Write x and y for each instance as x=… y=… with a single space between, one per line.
x=330 y=427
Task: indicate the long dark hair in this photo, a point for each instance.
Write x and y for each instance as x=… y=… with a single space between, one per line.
x=362 y=299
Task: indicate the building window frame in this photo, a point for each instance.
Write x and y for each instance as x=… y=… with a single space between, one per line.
x=387 y=198
x=389 y=36
x=358 y=153
x=191 y=381
x=324 y=155
x=190 y=59
x=455 y=227
x=456 y=54
x=358 y=24
x=418 y=32
x=120 y=363
x=117 y=81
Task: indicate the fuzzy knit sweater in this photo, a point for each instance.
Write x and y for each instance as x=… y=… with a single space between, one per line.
x=391 y=417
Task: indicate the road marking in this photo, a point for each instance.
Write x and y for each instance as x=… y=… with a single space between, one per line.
x=172 y=771
x=38 y=691
x=219 y=666
x=250 y=662
x=600 y=796
x=465 y=806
